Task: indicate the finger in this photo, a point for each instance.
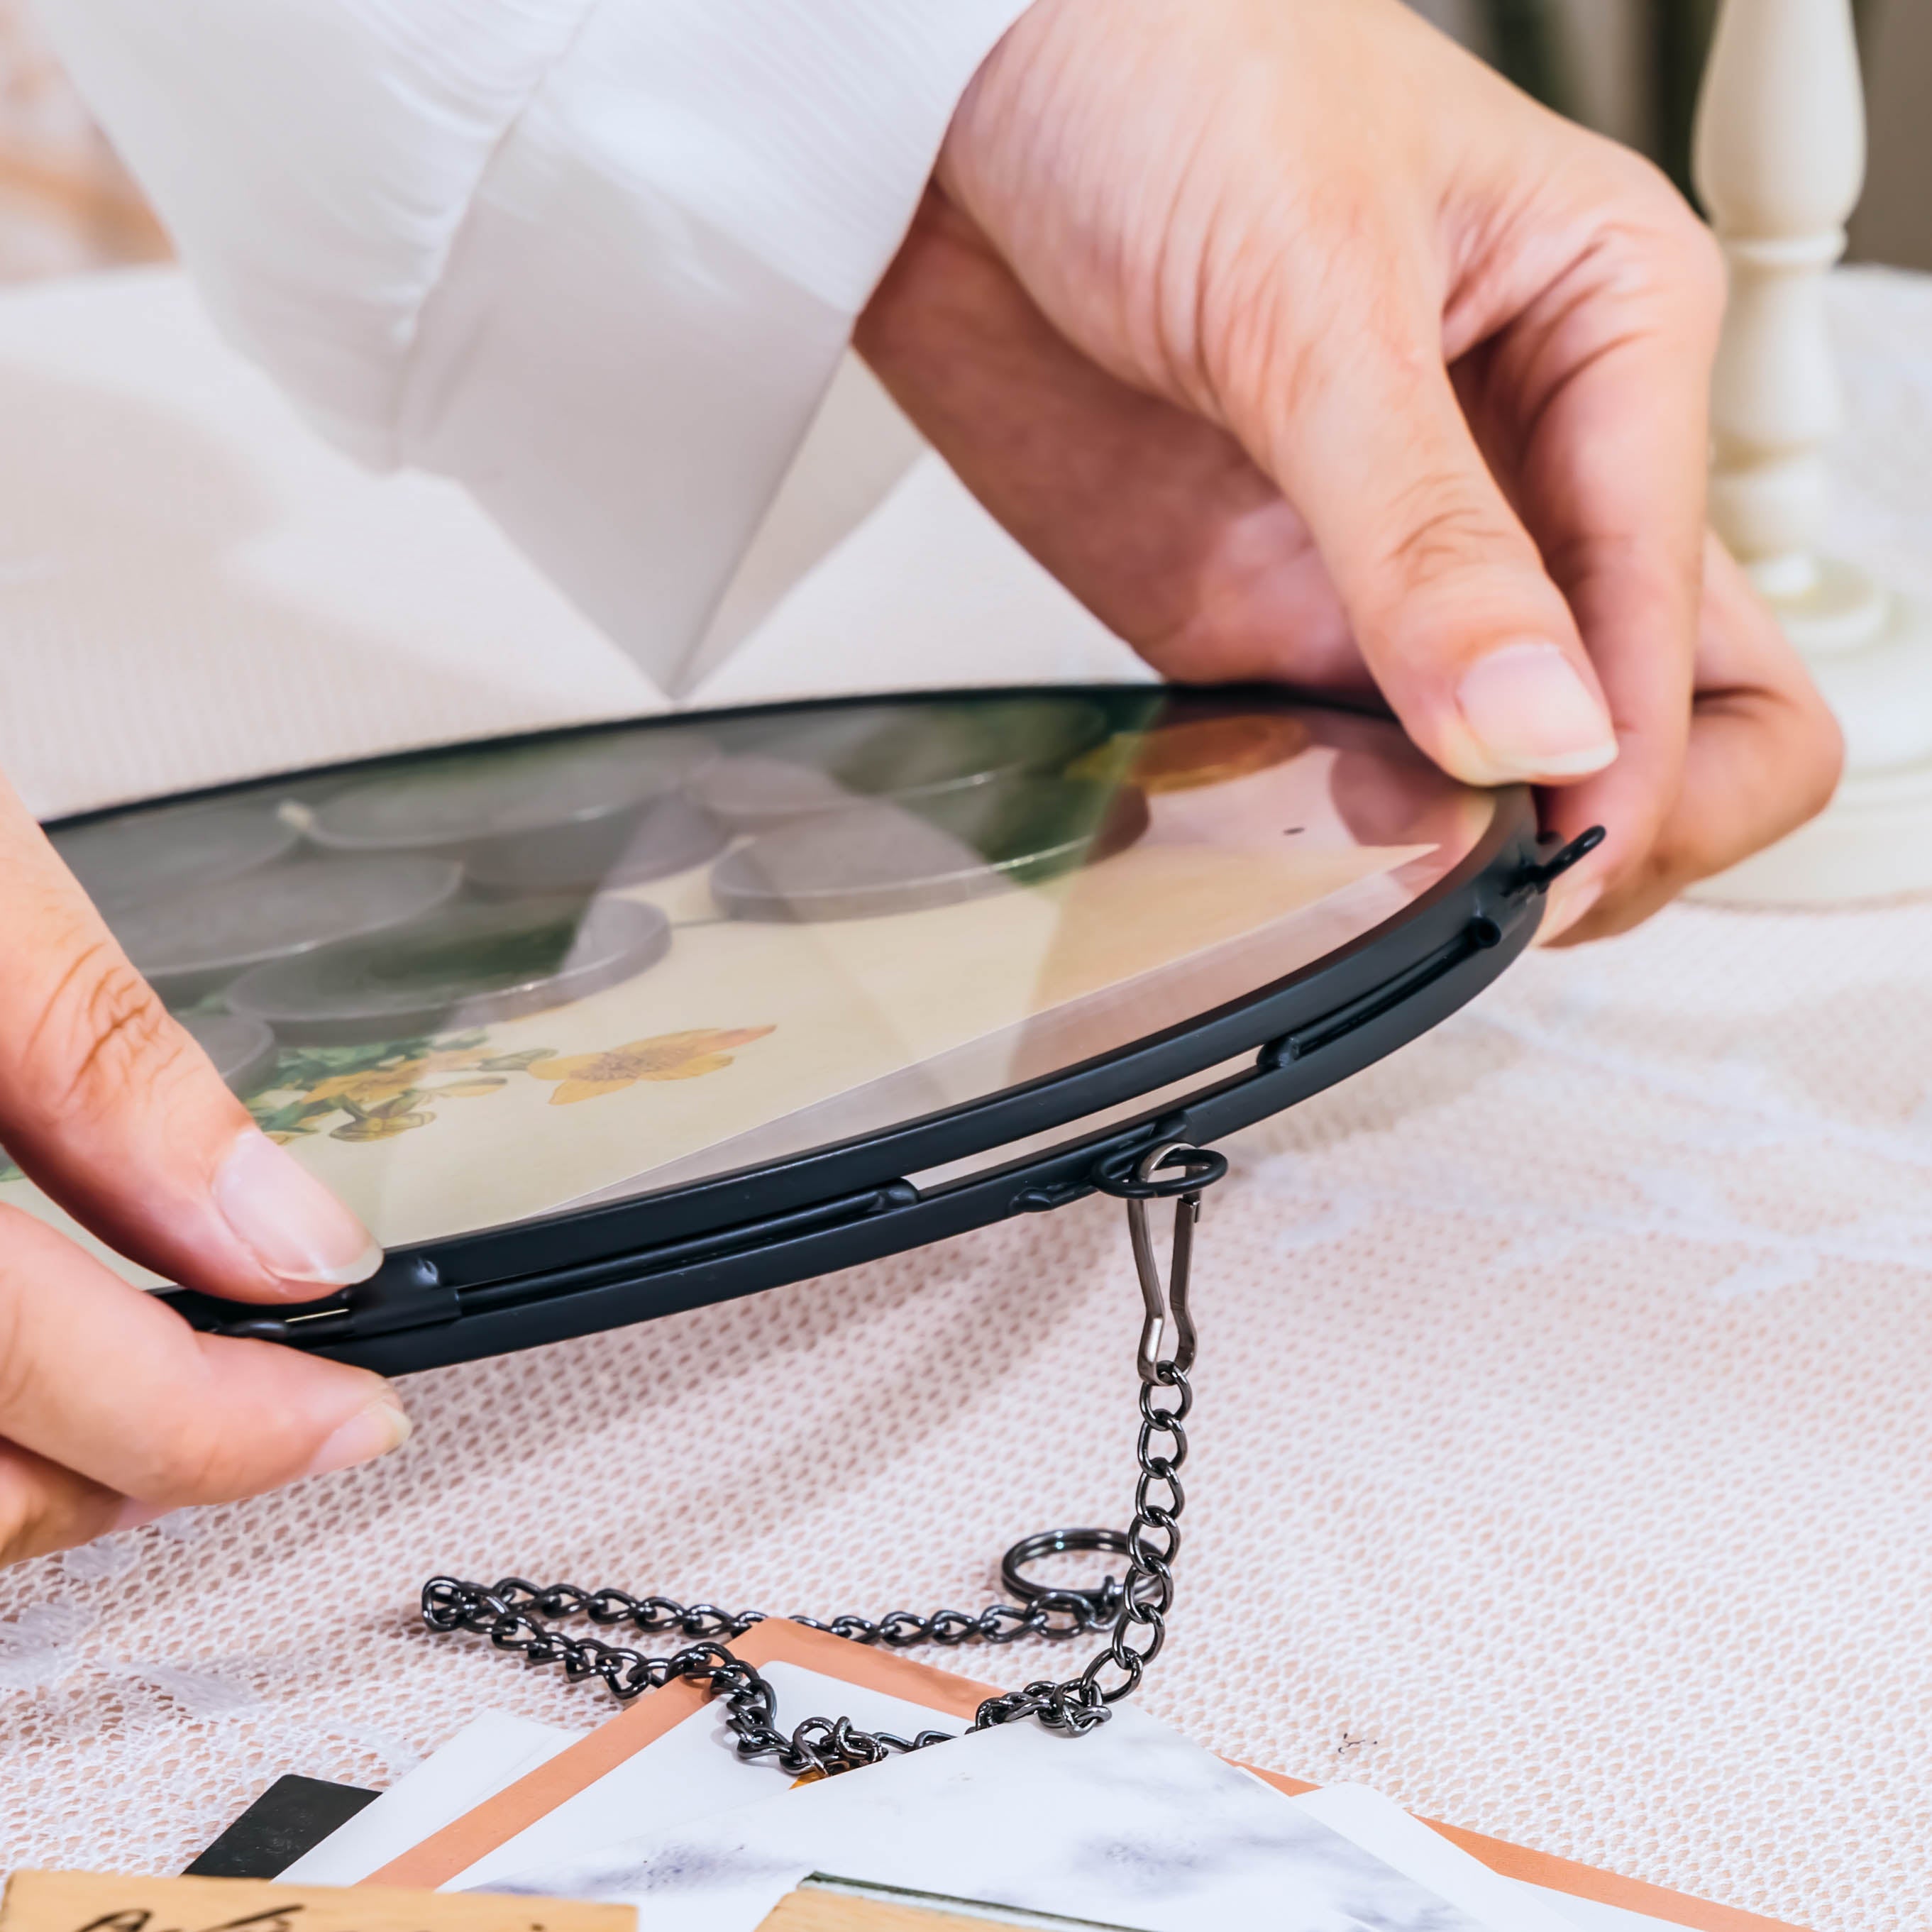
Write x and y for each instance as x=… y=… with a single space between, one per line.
x=1604 y=381
x=1764 y=756
x=1631 y=609
x=1471 y=643
x=44 y=1508
x=110 y=1383
x=110 y=1106
x=1155 y=518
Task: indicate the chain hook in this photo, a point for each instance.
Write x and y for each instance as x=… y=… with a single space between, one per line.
x=1167 y=1301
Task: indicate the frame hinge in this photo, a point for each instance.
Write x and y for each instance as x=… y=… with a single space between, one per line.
x=406 y=1292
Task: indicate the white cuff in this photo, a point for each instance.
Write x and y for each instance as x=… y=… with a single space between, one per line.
x=595 y=259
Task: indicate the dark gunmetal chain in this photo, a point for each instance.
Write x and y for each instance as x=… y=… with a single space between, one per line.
x=516 y=1615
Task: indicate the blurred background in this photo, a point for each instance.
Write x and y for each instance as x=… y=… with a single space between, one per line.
x=64 y=202
x=1630 y=67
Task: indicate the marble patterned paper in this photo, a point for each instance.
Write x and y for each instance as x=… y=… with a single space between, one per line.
x=691 y=1773
x=1131 y=1825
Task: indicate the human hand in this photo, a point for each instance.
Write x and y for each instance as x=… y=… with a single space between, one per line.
x=112 y=1410
x=1300 y=347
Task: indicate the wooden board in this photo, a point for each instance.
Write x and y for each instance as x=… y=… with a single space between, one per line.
x=63 y=1901
x=825 y=1907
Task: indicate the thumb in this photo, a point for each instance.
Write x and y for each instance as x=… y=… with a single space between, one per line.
x=108 y=1105
x=1471 y=643
x=112 y=1409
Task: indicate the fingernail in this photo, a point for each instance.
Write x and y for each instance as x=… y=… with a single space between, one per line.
x=132 y=1514
x=1570 y=904
x=292 y=1224
x=1532 y=716
x=371 y=1432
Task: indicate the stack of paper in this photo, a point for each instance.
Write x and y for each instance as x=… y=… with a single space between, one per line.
x=1131 y=1826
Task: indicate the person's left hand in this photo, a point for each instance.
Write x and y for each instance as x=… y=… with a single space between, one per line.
x=1300 y=347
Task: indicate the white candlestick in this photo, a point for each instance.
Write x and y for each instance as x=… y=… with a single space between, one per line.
x=1781 y=163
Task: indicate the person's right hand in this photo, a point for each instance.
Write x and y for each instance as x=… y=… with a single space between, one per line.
x=1302 y=347
x=112 y=1410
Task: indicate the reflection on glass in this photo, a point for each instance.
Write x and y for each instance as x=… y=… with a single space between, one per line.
x=471 y=987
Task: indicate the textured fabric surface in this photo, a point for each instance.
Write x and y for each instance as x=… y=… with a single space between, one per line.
x=1561 y=1465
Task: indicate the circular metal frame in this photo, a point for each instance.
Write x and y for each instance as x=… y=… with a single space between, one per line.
x=582 y=1271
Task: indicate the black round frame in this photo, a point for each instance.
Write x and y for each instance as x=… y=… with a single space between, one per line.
x=580 y=1271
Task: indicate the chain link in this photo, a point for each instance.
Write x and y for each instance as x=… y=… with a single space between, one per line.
x=518 y=1616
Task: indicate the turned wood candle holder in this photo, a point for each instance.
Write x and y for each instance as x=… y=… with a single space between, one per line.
x=1781 y=165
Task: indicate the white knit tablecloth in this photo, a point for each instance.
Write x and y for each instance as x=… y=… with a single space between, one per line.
x=1562 y=1464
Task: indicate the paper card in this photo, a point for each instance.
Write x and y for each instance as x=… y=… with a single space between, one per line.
x=1594 y=1916
x=488 y=1754
x=1603 y=1901
x=294 y=1815
x=1593 y=1898
x=1131 y=1825
x=691 y=1772
x=470 y=1838
x=1379 y=1826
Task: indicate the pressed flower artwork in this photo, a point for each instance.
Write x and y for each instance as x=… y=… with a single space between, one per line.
x=670 y=1056
x=375 y=1093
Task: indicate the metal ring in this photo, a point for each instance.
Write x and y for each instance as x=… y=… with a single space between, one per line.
x=1105 y=1597
x=1119 y=1174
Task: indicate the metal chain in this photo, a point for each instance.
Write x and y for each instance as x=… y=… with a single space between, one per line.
x=512 y=1613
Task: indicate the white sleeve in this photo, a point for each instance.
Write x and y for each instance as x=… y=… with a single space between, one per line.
x=596 y=259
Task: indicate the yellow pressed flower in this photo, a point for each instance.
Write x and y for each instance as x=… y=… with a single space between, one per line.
x=670 y=1056
x=381 y=1126
x=368 y=1089
x=450 y=1059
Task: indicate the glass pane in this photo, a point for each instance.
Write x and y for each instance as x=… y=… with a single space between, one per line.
x=468 y=988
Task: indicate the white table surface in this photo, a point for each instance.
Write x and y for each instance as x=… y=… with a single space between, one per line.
x=1564 y=1464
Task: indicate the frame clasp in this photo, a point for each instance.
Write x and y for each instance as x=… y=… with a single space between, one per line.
x=1166 y=1302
